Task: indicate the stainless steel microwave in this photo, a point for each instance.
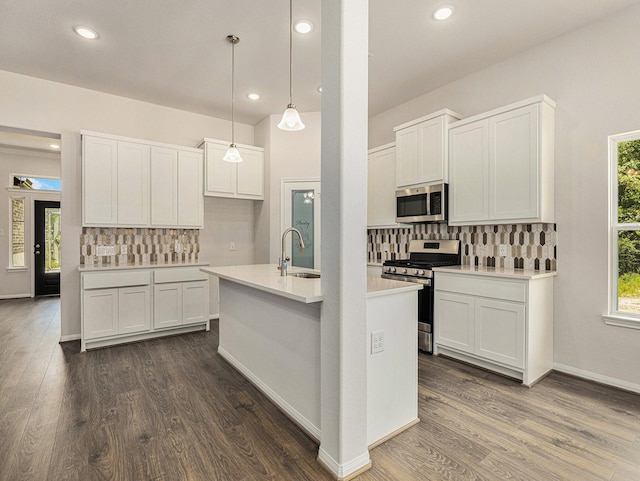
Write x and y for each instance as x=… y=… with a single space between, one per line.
x=427 y=203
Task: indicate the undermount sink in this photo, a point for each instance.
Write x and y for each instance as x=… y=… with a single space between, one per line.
x=306 y=275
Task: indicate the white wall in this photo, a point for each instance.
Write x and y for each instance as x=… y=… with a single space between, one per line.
x=287 y=155
x=592 y=74
x=18 y=283
x=35 y=104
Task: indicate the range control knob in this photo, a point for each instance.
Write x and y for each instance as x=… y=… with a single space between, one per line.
x=421 y=273
x=415 y=271
x=404 y=271
x=393 y=269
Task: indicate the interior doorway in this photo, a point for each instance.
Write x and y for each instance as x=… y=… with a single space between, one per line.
x=301 y=209
x=46 y=248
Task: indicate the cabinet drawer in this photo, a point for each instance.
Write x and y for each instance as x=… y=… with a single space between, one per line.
x=103 y=280
x=508 y=290
x=178 y=274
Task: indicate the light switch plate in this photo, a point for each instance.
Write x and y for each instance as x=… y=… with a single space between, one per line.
x=1 y=231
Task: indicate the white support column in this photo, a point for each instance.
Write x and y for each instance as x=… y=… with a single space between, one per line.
x=343 y=447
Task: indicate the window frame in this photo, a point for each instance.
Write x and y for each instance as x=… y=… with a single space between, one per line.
x=614 y=316
x=11 y=266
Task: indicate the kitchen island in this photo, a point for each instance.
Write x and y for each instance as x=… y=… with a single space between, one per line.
x=270 y=332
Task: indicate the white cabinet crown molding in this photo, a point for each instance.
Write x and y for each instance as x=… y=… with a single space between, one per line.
x=151 y=143
x=430 y=116
x=497 y=111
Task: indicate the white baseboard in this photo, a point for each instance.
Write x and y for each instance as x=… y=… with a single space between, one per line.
x=15 y=296
x=289 y=410
x=342 y=471
x=214 y=316
x=592 y=376
x=71 y=337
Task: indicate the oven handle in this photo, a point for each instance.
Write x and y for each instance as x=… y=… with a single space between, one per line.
x=415 y=280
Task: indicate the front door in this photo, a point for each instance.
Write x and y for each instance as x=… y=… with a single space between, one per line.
x=46 y=248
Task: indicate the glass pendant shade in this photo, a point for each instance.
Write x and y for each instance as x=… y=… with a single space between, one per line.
x=291 y=119
x=232 y=155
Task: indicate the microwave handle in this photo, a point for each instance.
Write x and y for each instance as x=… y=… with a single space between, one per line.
x=428 y=202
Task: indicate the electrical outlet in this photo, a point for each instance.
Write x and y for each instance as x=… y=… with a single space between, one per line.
x=110 y=250
x=99 y=250
x=377 y=341
x=232 y=246
x=503 y=250
x=123 y=250
x=1 y=231
x=178 y=248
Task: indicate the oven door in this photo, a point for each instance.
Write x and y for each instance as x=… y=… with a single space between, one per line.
x=425 y=319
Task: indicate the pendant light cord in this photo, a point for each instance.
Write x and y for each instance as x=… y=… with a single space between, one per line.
x=290 y=51
x=232 y=39
x=233 y=82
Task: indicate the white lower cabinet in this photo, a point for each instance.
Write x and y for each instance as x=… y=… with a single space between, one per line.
x=134 y=304
x=181 y=297
x=110 y=312
x=100 y=313
x=502 y=324
x=180 y=303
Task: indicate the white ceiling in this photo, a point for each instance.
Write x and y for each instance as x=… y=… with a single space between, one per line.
x=174 y=52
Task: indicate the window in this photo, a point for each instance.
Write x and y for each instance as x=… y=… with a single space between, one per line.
x=17 y=232
x=624 y=243
x=36 y=183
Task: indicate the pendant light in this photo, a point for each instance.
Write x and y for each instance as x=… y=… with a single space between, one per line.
x=291 y=118
x=232 y=155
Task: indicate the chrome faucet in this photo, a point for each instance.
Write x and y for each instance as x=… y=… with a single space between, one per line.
x=284 y=259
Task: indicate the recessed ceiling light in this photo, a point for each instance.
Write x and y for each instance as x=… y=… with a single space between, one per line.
x=443 y=12
x=303 y=26
x=320 y=89
x=253 y=96
x=54 y=146
x=85 y=32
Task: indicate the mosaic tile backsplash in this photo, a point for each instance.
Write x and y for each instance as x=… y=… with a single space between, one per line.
x=164 y=246
x=529 y=246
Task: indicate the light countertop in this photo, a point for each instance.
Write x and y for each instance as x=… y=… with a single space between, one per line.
x=148 y=265
x=266 y=277
x=377 y=286
x=496 y=272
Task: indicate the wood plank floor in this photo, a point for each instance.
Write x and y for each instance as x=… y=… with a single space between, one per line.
x=172 y=410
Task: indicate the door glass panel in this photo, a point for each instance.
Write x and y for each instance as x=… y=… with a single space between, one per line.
x=17 y=232
x=52 y=239
x=629 y=271
x=302 y=219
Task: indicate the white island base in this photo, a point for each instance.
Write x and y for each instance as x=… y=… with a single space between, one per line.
x=270 y=332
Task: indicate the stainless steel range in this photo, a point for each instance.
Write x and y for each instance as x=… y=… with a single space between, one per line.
x=423 y=256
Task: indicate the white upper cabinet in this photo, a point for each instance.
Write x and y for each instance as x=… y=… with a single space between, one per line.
x=176 y=188
x=469 y=186
x=164 y=186
x=190 y=195
x=136 y=183
x=241 y=180
x=381 y=187
x=250 y=177
x=99 y=181
x=422 y=149
x=133 y=184
x=501 y=165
